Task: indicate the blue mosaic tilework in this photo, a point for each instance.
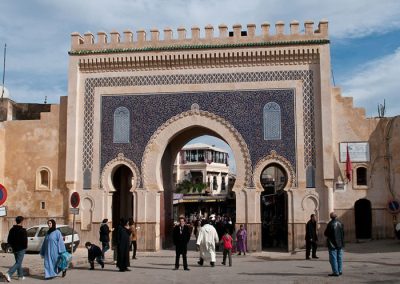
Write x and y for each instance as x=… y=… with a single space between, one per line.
x=306 y=76
x=243 y=109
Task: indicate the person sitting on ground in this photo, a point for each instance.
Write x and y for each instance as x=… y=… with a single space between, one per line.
x=94 y=253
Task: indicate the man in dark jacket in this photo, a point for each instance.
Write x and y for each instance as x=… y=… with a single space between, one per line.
x=18 y=240
x=335 y=239
x=311 y=237
x=94 y=253
x=181 y=237
x=104 y=236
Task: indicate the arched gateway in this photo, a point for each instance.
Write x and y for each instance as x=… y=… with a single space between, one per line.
x=159 y=156
x=133 y=104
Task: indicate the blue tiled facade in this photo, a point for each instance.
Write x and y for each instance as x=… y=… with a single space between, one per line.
x=243 y=109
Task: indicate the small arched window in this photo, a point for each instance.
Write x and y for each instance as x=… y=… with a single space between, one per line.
x=43 y=179
x=121 y=132
x=272 y=121
x=361 y=173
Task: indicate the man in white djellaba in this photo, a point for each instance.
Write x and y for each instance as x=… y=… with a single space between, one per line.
x=206 y=241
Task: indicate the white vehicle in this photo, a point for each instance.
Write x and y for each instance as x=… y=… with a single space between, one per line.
x=36 y=236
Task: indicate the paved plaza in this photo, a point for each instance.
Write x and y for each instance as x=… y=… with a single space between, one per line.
x=370 y=262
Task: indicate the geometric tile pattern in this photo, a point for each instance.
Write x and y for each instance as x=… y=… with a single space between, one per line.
x=306 y=76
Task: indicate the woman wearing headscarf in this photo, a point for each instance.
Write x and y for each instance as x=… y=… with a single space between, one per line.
x=123 y=245
x=53 y=245
x=241 y=240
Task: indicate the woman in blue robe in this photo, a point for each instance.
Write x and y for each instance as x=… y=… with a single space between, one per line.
x=53 y=245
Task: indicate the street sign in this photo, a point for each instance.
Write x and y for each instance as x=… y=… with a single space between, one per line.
x=74 y=211
x=75 y=199
x=3 y=194
x=3 y=211
x=393 y=206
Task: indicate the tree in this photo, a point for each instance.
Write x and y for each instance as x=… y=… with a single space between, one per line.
x=187 y=186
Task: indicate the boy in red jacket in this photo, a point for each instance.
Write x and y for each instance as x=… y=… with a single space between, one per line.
x=227 y=242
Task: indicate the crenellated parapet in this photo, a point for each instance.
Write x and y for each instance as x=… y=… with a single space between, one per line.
x=184 y=49
x=222 y=37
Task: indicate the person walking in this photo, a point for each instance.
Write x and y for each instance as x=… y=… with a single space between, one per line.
x=241 y=240
x=181 y=237
x=123 y=243
x=133 y=229
x=18 y=240
x=311 y=237
x=53 y=245
x=227 y=244
x=334 y=233
x=206 y=241
x=104 y=237
x=94 y=253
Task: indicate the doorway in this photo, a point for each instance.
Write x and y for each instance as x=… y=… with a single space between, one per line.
x=197 y=180
x=122 y=200
x=363 y=219
x=274 y=213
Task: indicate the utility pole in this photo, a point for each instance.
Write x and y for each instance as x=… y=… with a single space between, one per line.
x=4 y=70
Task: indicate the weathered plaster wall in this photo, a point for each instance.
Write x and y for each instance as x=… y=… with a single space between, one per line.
x=351 y=125
x=27 y=146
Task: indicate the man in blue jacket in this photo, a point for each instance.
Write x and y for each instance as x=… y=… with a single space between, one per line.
x=18 y=240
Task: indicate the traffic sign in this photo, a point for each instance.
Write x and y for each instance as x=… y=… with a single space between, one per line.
x=3 y=194
x=75 y=199
x=3 y=211
x=393 y=206
x=74 y=211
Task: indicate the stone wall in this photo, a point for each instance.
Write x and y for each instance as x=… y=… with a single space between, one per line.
x=29 y=147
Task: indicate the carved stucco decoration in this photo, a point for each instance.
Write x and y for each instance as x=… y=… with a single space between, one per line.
x=273 y=157
x=111 y=166
x=314 y=198
x=172 y=126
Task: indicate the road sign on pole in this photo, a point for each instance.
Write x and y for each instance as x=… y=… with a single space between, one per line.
x=3 y=211
x=3 y=194
x=75 y=199
x=74 y=211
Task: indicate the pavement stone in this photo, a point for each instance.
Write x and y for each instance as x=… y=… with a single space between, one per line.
x=370 y=262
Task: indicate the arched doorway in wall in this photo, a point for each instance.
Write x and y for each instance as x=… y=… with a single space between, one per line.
x=158 y=162
x=122 y=198
x=274 y=210
x=363 y=219
x=198 y=177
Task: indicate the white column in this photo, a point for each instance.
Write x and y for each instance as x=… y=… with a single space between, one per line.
x=241 y=207
x=148 y=213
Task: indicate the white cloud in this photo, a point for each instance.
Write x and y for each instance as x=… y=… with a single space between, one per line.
x=37 y=32
x=347 y=18
x=375 y=81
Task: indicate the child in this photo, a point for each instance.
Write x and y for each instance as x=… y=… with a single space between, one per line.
x=94 y=252
x=227 y=241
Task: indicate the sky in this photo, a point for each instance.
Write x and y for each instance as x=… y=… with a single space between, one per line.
x=364 y=34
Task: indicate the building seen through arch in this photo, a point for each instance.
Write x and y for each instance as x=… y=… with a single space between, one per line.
x=203 y=181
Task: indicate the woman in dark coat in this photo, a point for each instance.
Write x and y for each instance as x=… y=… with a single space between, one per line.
x=123 y=245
